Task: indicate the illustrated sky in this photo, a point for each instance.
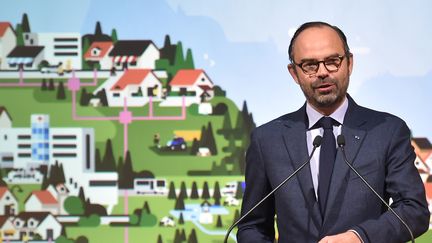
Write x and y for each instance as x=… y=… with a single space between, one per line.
x=242 y=45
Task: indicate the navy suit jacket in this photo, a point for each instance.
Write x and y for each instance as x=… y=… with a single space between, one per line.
x=378 y=145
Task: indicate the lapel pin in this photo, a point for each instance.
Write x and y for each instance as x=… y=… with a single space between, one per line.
x=357 y=137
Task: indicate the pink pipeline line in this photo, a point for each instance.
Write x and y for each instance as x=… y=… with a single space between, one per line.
x=20 y=83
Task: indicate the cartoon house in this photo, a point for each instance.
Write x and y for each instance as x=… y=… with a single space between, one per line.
x=30 y=224
x=8 y=202
x=42 y=201
x=7 y=229
x=205 y=217
x=193 y=84
x=25 y=57
x=60 y=193
x=5 y=118
x=7 y=43
x=422 y=147
x=134 y=54
x=98 y=53
x=422 y=168
x=136 y=85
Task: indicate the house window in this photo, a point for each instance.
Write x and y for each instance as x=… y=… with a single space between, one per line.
x=18 y=223
x=116 y=94
x=31 y=42
x=7 y=198
x=203 y=79
x=26 y=36
x=5 y=137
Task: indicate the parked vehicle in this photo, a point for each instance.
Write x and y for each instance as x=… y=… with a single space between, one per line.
x=150 y=186
x=231 y=201
x=24 y=176
x=230 y=189
x=167 y=221
x=177 y=144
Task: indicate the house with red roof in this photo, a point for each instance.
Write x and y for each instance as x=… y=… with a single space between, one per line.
x=42 y=201
x=131 y=54
x=7 y=43
x=136 y=86
x=44 y=224
x=422 y=167
x=7 y=229
x=192 y=83
x=98 y=53
x=8 y=202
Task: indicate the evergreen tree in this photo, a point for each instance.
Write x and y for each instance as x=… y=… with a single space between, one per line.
x=171 y=191
x=183 y=190
x=183 y=235
x=181 y=219
x=203 y=139
x=192 y=237
x=179 y=58
x=239 y=191
x=102 y=97
x=194 y=191
x=108 y=159
x=159 y=239
x=98 y=159
x=231 y=144
x=217 y=194
x=19 y=35
x=98 y=29
x=179 y=204
x=114 y=37
x=146 y=207
x=205 y=193
x=61 y=94
x=226 y=129
x=85 y=47
x=211 y=142
x=81 y=194
x=120 y=166
x=127 y=173
x=51 y=86
x=85 y=97
x=25 y=23
x=177 y=238
x=189 y=63
x=194 y=147
x=44 y=86
x=219 y=222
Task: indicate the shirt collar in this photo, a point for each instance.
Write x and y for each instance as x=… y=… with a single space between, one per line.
x=339 y=114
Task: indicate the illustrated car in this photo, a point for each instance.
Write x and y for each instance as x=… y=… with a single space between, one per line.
x=231 y=201
x=167 y=221
x=177 y=144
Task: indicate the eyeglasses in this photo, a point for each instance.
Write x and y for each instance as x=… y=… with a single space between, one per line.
x=311 y=67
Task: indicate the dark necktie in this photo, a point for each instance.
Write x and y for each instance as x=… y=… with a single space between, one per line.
x=327 y=159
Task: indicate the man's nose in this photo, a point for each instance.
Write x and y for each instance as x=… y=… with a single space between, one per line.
x=322 y=71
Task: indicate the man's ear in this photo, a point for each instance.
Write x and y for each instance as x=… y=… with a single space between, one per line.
x=351 y=62
x=293 y=72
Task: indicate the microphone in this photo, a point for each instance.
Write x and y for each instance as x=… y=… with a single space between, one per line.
x=316 y=143
x=341 y=145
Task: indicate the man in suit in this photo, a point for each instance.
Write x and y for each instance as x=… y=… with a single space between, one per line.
x=326 y=201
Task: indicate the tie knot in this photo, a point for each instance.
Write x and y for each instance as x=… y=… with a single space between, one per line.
x=327 y=122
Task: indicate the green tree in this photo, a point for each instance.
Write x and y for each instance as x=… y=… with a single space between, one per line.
x=189 y=62
x=63 y=239
x=192 y=237
x=91 y=221
x=147 y=219
x=84 y=97
x=74 y=206
x=181 y=219
x=81 y=239
x=179 y=204
x=85 y=47
x=236 y=216
x=127 y=173
x=194 y=147
x=226 y=129
x=231 y=145
x=108 y=158
x=183 y=235
x=19 y=35
x=114 y=37
x=159 y=239
x=211 y=142
x=44 y=86
x=51 y=86
x=239 y=191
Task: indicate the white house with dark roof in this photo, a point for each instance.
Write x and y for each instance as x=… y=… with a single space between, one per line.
x=7 y=229
x=42 y=223
x=26 y=57
x=98 y=52
x=5 y=118
x=8 y=202
x=7 y=43
x=130 y=54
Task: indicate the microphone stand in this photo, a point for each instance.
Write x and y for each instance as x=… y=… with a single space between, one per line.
x=316 y=144
x=341 y=145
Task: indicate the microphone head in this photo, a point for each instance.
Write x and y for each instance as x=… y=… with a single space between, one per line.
x=341 y=140
x=317 y=141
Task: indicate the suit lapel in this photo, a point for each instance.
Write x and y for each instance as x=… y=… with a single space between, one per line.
x=294 y=137
x=354 y=137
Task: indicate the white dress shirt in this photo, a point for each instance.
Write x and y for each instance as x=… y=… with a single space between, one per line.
x=314 y=117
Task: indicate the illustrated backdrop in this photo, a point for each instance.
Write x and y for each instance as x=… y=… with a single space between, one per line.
x=128 y=121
